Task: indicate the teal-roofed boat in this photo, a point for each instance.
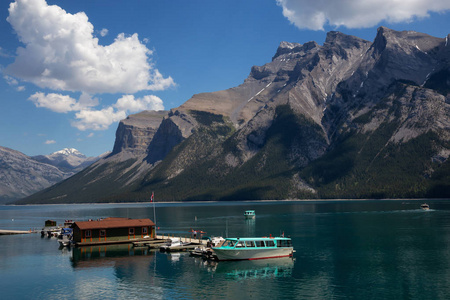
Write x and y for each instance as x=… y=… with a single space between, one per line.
x=249 y=214
x=250 y=248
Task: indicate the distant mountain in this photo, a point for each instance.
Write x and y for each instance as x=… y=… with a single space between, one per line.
x=347 y=119
x=68 y=159
x=21 y=175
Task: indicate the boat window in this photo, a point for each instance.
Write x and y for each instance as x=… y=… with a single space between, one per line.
x=144 y=230
x=88 y=233
x=240 y=244
x=131 y=231
x=250 y=243
x=102 y=232
x=284 y=243
x=270 y=244
x=259 y=244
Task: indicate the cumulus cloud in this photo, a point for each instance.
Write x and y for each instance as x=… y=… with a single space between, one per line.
x=48 y=142
x=97 y=119
x=90 y=118
x=102 y=119
x=61 y=53
x=356 y=13
x=55 y=102
x=131 y=104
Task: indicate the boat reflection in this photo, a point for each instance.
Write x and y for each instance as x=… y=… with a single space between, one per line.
x=98 y=256
x=253 y=269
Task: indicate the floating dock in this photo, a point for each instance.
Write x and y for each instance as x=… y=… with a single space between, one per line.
x=152 y=243
x=9 y=232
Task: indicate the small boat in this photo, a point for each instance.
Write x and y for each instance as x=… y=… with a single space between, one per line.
x=206 y=251
x=254 y=248
x=174 y=244
x=425 y=206
x=249 y=214
x=65 y=237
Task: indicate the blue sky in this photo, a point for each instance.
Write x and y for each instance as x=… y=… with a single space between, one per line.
x=70 y=70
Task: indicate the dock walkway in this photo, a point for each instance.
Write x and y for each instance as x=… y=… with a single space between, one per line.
x=9 y=232
x=145 y=242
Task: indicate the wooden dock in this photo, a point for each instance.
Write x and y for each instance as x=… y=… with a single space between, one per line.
x=152 y=243
x=9 y=232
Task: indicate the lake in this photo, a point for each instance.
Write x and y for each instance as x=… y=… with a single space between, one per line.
x=382 y=249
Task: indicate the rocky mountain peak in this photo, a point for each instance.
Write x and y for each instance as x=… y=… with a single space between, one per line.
x=339 y=39
x=68 y=152
x=286 y=47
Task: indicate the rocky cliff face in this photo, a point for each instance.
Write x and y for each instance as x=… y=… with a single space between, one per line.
x=135 y=133
x=349 y=118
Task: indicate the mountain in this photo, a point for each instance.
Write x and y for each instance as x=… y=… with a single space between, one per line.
x=347 y=119
x=21 y=175
x=68 y=159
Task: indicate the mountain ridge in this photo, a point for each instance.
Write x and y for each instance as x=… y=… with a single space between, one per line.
x=22 y=175
x=328 y=121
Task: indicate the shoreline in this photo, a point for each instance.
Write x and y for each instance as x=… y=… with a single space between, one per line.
x=234 y=201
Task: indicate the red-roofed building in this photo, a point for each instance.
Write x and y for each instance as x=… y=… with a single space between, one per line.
x=112 y=230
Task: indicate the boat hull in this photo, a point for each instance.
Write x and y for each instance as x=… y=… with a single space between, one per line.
x=251 y=254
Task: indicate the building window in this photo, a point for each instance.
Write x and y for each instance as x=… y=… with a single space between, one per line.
x=131 y=231
x=144 y=230
x=102 y=233
x=88 y=233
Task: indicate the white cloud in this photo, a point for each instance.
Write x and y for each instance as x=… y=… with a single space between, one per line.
x=48 y=142
x=90 y=135
x=10 y=80
x=61 y=53
x=102 y=119
x=104 y=32
x=98 y=119
x=131 y=104
x=55 y=102
x=356 y=13
x=89 y=118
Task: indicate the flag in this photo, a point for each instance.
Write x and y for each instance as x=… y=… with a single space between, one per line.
x=151 y=199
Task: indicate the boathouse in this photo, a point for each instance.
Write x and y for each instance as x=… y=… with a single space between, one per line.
x=112 y=230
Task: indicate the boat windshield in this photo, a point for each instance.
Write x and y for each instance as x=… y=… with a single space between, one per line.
x=240 y=244
x=229 y=243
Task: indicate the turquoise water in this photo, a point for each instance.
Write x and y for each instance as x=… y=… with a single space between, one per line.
x=344 y=249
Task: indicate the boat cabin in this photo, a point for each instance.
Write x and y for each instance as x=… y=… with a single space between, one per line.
x=111 y=230
x=257 y=243
x=249 y=214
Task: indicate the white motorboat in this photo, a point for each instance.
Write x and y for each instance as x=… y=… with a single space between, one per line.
x=425 y=206
x=173 y=244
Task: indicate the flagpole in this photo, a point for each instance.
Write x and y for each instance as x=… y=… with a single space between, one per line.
x=154 y=212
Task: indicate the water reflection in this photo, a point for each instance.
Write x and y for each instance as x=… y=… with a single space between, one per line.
x=252 y=269
x=99 y=256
